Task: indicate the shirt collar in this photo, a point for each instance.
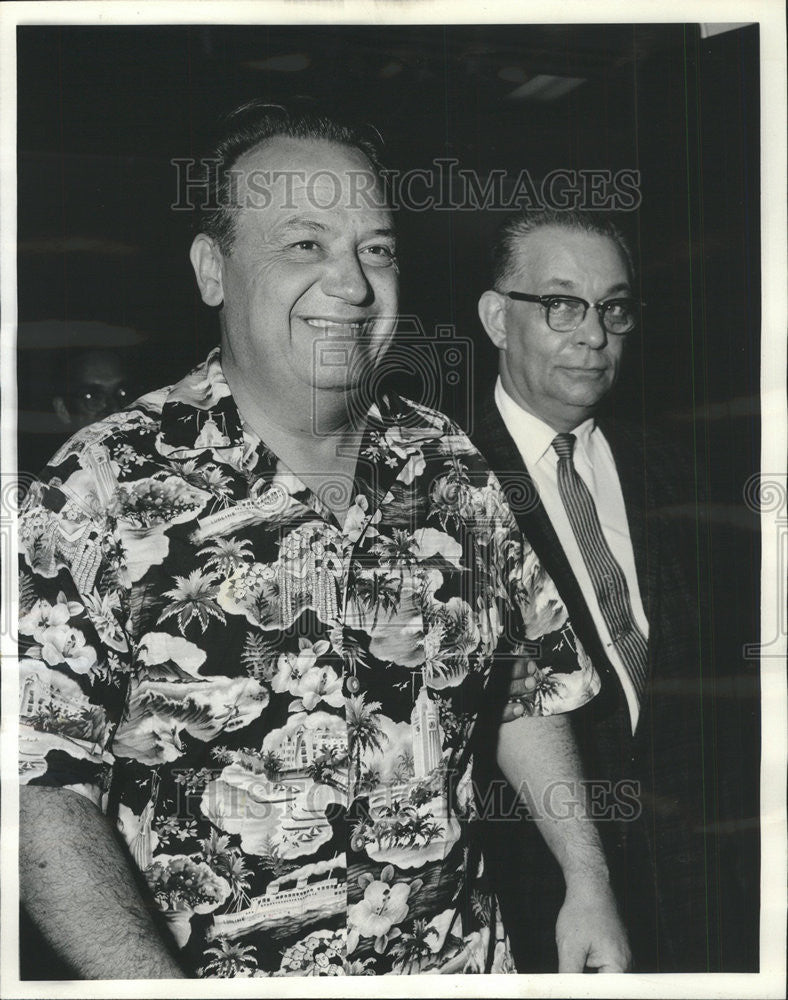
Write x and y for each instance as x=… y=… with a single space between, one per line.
x=200 y=412
x=533 y=436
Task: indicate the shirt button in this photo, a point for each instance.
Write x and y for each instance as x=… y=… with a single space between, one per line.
x=353 y=685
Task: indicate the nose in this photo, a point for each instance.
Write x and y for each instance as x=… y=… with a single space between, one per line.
x=591 y=332
x=344 y=278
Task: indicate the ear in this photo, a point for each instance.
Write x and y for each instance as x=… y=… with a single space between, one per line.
x=59 y=406
x=206 y=260
x=492 y=313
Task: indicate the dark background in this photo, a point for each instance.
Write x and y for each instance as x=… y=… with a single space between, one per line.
x=102 y=111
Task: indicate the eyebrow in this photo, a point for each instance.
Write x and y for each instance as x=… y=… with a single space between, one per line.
x=621 y=286
x=302 y=222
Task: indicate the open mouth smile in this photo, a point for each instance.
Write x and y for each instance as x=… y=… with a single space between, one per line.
x=341 y=326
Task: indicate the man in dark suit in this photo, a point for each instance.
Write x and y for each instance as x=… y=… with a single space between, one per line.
x=594 y=498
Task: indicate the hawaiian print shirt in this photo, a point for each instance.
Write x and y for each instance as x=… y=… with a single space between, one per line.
x=275 y=709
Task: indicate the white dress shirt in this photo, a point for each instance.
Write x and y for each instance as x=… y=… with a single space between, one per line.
x=594 y=464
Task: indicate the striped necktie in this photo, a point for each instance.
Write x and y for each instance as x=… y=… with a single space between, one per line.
x=607 y=576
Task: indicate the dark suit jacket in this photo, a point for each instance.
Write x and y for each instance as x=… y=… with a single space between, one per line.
x=663 y=862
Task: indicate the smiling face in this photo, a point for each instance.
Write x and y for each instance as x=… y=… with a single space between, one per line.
x=561 y=377
x=310 y=285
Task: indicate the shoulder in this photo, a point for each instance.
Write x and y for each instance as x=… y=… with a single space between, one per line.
x=445 y=433
x=655 y=440
x=129 y=427
x=665 y=459
x=80 y=472
x=461 y=483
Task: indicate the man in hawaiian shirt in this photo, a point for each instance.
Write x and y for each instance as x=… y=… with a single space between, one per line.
x=264 y=672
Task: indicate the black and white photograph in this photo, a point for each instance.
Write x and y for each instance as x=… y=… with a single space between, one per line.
x=394 y=510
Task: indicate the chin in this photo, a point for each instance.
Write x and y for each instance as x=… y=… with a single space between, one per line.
x=328 y=383
x=590 y=395
x=590 y=402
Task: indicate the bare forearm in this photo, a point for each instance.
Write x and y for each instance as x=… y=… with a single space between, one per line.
x=539 y=758
x=78 y=888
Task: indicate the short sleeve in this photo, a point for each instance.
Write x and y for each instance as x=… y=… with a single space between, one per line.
x=523 y=614
x=73 y=650
x=561 y=675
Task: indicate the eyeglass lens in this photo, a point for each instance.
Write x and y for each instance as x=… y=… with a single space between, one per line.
x=565 y=315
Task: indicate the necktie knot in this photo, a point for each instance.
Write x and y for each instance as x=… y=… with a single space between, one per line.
x=564 y=445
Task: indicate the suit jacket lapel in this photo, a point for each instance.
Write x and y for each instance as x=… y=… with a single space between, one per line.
x=628 y=454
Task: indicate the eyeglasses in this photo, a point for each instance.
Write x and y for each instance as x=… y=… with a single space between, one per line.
x=97 y=399
x=565 y=313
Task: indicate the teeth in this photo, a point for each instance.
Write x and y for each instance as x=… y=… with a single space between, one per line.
x=325 y=324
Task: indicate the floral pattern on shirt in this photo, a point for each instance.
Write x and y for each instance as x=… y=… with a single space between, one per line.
x=276 y=710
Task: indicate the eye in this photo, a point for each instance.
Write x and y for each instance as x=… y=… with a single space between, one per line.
x=305 y=245
x=380 y=255
x=563 y=306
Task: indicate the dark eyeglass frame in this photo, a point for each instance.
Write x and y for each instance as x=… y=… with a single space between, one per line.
x=602 y=307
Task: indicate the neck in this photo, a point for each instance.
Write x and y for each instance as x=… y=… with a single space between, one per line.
x=562 y=422
x=302 y=413
x=311 y=433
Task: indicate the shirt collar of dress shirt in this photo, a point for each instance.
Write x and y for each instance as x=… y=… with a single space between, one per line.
x=533 y=436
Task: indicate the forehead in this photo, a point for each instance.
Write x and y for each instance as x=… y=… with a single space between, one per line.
x=98 y=369
x=283 y=179
x=559 y=257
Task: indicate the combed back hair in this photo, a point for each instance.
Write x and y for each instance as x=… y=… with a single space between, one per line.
x=254 y=122
x=506 y=245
